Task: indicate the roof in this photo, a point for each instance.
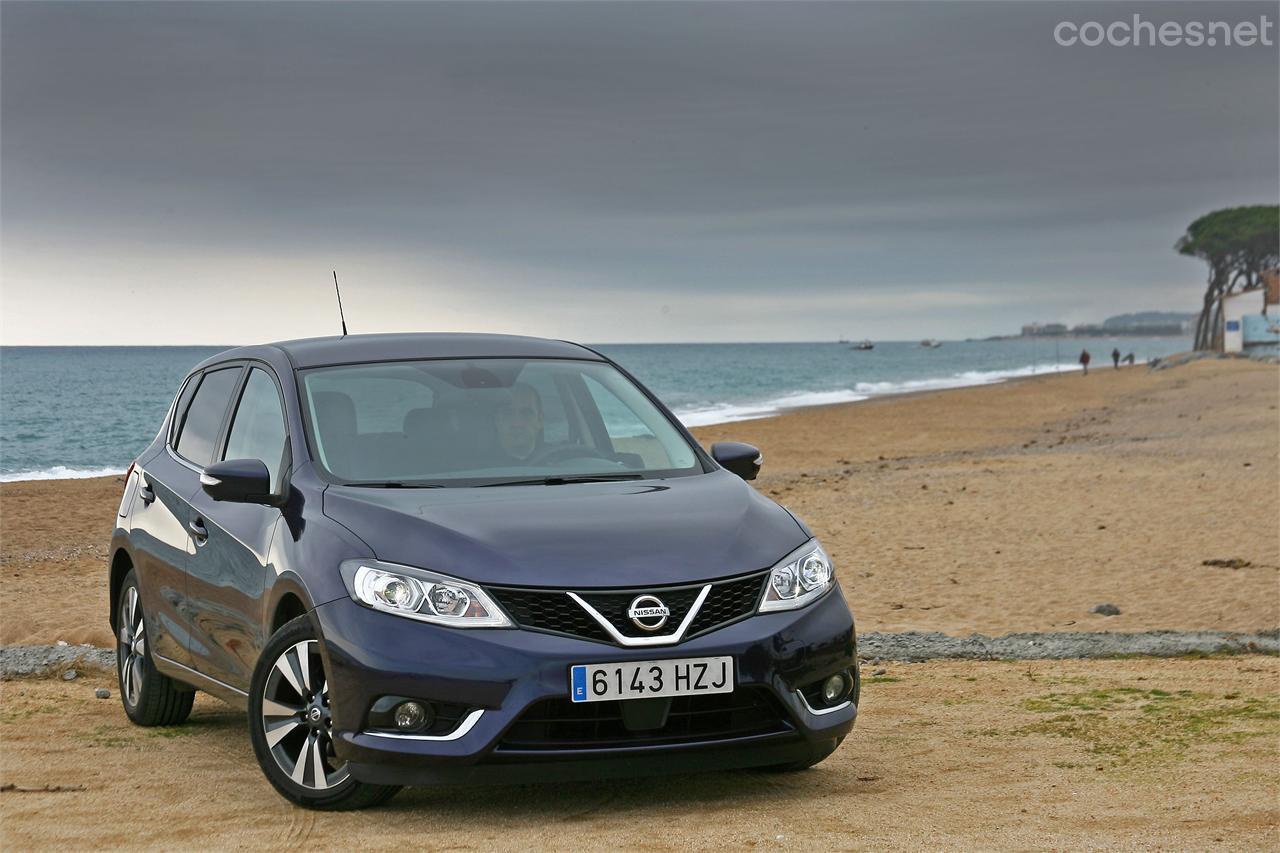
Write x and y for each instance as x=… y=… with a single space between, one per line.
x=352 y=349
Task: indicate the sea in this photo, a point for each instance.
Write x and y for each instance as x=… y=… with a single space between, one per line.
x=69 y=412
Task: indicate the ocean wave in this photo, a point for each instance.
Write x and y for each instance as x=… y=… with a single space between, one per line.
x=58 y=472
x=965 y=379
x=723 y=413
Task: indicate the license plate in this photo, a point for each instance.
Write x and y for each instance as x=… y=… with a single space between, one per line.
x=600 y=682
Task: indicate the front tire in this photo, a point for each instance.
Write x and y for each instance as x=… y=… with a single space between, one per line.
x=150 y=697
x=290 y=727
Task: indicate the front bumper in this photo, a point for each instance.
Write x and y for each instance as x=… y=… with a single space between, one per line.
x=503 y=672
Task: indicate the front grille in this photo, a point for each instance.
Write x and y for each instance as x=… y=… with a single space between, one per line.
x=560 y=724
x=553 y=611
x=728 y=602
x=613 y=606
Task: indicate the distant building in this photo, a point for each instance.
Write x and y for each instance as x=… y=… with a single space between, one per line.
x=1036 y=330
x=1251 y=318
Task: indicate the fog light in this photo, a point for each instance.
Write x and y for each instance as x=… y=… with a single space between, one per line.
x=832 y=689
x=410 y=716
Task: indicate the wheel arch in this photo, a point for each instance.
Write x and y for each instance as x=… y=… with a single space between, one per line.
x=288 y=600
x=121 y=565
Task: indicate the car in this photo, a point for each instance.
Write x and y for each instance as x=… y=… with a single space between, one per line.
x=457 y=558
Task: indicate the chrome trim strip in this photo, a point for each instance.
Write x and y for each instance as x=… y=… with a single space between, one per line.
x=201 y=675
x=209 y=480
x=467 y=724
x=805 y=702
x=664 y=640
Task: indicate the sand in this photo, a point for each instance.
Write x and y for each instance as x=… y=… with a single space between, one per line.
x=1067 y=754
x=1015 y=507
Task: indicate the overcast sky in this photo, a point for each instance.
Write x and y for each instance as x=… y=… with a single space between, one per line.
x=189 y=173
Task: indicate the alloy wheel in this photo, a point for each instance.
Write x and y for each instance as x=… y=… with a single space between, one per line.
x=296 y=718
x=132 y=650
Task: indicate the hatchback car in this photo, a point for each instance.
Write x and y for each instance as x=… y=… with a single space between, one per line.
x=428 y=559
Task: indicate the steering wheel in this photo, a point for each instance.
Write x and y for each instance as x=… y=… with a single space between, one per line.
x=566 y=452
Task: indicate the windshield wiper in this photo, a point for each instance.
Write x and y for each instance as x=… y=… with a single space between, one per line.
x=392 y=484
x=565 y=480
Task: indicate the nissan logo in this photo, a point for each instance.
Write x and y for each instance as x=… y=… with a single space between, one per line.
x=648 y=612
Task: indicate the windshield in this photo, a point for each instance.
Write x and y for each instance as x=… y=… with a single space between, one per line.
x=474 y=422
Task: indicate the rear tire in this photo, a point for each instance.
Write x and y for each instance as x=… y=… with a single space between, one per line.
x=290 y=729
x=150 y=697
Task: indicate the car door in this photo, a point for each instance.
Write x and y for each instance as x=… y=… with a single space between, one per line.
x=160 y=536
x=227 y=573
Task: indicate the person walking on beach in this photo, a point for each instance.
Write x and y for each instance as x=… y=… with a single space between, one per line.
x=1084 y=360
x=1115 y=357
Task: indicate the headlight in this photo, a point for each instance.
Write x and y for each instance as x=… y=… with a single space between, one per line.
x=799 y=578
x=420 y=594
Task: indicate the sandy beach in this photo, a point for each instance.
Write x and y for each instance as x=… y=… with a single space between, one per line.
x=1013 y=507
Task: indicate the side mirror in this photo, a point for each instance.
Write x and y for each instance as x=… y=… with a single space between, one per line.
x=238 y=481
x=742 y=459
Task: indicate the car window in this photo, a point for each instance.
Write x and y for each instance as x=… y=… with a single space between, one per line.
x=629 y=433
x=482 y=421
x=381 y=403
x=180 y=408
x=204 y=415
x=257 y=429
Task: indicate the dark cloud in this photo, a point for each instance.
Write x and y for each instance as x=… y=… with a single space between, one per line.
x=836 y=150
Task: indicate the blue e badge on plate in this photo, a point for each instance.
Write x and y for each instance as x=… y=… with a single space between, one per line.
x=578 y=679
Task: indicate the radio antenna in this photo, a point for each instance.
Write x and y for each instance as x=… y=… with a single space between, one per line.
x=341 y=316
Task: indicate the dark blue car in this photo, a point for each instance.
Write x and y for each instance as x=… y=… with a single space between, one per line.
x=448 y=558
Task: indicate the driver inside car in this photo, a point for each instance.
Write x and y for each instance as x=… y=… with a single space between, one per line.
x=518 y=422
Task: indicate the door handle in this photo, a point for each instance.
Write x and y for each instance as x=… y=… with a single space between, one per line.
x=199 y=532
x=146 y=493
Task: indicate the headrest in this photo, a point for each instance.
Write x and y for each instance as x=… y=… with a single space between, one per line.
x=425 y=422
x=335 y=412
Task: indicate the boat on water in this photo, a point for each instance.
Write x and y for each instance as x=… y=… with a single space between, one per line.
x=865 y=345
x=931 y=343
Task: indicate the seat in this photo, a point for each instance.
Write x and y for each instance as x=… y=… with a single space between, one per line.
x=432 y=442
x=336 y=431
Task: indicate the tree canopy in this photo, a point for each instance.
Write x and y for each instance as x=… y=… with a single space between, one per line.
x=1238 y=244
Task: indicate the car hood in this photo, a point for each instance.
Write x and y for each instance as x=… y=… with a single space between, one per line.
x=658 y=532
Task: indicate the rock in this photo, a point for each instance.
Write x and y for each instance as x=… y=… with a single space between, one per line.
x=1233 y=563
x=878 y=672
x=69 y=675
x=1105 y=610
x=102 y=693
x=24 y=661
x=62 y=642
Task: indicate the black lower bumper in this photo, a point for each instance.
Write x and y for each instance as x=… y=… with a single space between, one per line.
x=497 y=771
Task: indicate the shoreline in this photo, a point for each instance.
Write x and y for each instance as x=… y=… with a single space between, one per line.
x=1012 y=507
x=58 y=473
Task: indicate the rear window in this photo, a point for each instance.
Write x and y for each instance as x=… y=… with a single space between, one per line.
x=199 y=430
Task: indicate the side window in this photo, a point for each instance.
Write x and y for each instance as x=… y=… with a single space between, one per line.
x=204 y=415
x=180 y=409
x=257 y=429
